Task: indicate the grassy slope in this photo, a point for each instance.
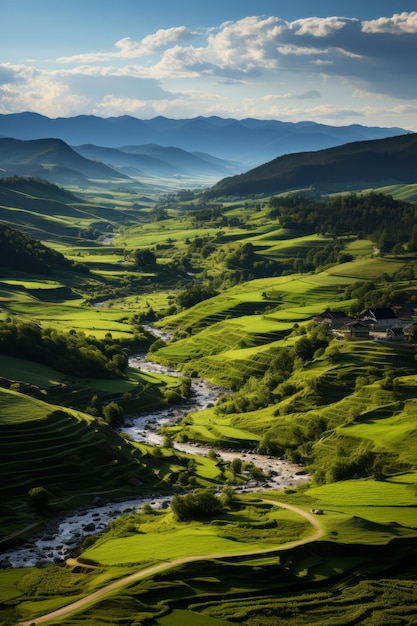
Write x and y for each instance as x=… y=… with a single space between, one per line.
x=365 y=510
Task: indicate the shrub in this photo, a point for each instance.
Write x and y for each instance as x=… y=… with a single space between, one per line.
x=201 y=504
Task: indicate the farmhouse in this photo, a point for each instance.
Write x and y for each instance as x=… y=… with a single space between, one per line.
x=358 y=330
x=335 y=319
x=395 y=333
x=380 y=318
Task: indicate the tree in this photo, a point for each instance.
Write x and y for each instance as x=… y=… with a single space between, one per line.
x=236 y=466
x=227 y=496
x=199 y=505
x=113 y=414
x=144 y=258
x=167 y=442
x=304 y=348
x=212 y=454
x=39 y=498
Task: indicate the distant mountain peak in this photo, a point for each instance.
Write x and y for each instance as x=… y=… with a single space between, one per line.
x=251 y=141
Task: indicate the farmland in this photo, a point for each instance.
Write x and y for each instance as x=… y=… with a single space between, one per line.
x=341 y=409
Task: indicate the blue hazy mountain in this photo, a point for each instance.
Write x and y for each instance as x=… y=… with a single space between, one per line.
x=249 y=141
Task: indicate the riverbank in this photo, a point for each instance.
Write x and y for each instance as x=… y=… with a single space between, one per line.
x=55 y=543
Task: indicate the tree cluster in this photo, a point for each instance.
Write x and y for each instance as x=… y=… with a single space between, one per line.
x=21 y=252
x=73 y=353
x=197 y=292
x=144 y=258
x=375 y=215
x=266 y=381
x=200 y=504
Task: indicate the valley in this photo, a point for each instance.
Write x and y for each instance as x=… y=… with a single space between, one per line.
x=186 y=374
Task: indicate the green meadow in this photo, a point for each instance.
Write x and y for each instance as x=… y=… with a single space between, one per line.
x=342 y=409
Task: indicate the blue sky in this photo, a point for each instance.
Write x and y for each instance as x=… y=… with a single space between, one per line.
x=335 y=62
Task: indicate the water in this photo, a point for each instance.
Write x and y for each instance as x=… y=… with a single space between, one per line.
x=54 y=544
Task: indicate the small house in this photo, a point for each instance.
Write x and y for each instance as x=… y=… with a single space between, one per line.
x=335 y=319
x=395 y=333
x=358 y=330
x=381 y=318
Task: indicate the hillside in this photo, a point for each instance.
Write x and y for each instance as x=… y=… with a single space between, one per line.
x=237 y=291
x=21 y=252
x=154 y=160
x=52 y=159
x=249 y=140
x=358 y=165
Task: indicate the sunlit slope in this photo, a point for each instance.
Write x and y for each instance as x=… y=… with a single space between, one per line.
x=50 y=213
x=61 y=450
x=355 y=165
x=256 y=314
x=355 y=416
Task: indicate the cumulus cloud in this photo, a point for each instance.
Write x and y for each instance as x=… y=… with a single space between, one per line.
x=127 y=48
x=7 y=75
x=374 y=53
x=398 y=24
x=59 y=93
x=371 y=55
x=277 y=59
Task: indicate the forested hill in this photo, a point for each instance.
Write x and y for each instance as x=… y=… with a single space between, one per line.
x=39 y=187
x=21 y=252
x=353 y=166
x=389 y=223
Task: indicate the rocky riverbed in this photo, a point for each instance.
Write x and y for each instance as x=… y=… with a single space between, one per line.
x=62 y=535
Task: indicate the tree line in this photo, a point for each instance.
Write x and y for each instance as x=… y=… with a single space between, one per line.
x=21 y=252
x=72 y=353
x=375 y=215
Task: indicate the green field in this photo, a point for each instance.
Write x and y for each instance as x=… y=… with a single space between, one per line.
x=344 y=410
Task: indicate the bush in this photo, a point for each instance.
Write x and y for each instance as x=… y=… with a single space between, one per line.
x=201 y=504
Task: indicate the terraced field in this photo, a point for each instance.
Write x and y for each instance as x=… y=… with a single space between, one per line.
x=42 y=445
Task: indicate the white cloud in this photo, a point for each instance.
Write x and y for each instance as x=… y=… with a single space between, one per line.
x=254 y=48
x=35 y=91
x=218 y=70
x=130 y=49
x=306 y=95
x=398 y=24
x=322 y=27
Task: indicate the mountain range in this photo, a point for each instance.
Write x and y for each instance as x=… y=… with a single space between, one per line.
x=248 y=141
x=51 y=159
x=56 y=161
x=154 y=160
x=353 y=166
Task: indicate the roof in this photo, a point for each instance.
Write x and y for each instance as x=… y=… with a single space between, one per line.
x=333 y=314
x=358 y=325
x=382 y=313
x=395 y=330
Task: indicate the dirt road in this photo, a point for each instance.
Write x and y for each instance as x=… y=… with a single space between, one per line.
x=97 y=595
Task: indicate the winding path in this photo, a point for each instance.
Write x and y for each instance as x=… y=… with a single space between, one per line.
x=149 y=571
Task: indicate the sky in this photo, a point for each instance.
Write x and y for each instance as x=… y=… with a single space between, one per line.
x=334 y=62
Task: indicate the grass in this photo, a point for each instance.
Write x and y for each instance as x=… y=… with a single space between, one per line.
x=159 y=537
x=392 y=430
x=18 y=409
x=368 y=523
x=399 y=491
x=190 y=618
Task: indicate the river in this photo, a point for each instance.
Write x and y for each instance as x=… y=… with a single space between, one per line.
x=61 y=536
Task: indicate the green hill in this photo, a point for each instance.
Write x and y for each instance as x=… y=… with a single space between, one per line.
x=21 y=252
x=44 y=445
x=52 y=159
x=358 y=165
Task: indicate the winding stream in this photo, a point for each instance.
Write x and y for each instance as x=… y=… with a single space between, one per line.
x=54 y=544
